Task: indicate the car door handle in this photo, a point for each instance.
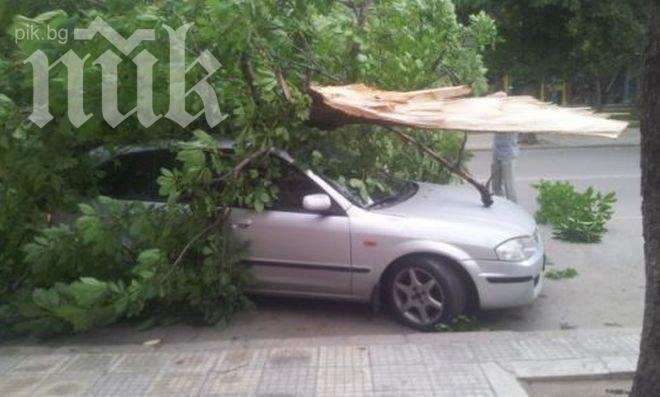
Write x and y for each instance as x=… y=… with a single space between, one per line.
x=241 y=224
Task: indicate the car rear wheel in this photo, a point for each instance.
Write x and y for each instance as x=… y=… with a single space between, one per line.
x=424 y=293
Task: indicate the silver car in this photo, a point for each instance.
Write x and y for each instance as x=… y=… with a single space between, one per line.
x=428 y=251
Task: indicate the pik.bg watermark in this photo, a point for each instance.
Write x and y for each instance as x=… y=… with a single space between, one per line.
x=34 y=33
x=144 y=62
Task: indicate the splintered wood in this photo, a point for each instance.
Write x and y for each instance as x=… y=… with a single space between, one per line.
x=450 y=108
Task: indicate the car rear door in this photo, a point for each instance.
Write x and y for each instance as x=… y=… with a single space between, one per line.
x=133 y=176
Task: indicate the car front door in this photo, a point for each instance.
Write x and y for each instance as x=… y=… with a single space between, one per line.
x=294 y=250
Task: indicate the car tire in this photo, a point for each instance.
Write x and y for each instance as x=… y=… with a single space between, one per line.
x=424 y=293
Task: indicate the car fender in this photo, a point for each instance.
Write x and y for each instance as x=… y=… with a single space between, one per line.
x=364 y=283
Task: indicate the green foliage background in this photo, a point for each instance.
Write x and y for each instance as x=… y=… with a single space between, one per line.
x=121 y=262
x=564 y=40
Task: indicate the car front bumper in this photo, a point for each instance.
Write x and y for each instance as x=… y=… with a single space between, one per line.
x=505 y=284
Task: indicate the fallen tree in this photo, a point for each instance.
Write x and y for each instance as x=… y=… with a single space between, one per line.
x=450 y=108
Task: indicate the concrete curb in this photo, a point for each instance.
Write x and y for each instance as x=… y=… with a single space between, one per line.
x=504 y=383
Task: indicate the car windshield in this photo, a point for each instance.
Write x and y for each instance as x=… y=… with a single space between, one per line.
x=360 y=183
x=375 y=191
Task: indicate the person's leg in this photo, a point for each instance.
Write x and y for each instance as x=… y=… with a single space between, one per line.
x=496 y=177
x=508 y=180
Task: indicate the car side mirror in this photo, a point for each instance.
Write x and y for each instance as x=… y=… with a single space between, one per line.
x=317 y=202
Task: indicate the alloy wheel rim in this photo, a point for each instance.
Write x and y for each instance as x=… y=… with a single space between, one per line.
x=418 y=296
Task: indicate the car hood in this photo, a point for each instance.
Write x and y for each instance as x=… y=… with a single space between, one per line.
x=454 y=206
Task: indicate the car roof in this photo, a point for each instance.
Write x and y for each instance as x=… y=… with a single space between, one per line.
x=102 y=154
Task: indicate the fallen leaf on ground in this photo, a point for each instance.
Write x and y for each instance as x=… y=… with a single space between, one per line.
x=153 y=342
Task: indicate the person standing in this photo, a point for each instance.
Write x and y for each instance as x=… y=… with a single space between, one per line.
x=505 y=152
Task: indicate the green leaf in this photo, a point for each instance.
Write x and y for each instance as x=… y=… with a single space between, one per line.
x=46 y=298
x=87 y=209
x=79 y=318
x=151 y=257
x=87 y=294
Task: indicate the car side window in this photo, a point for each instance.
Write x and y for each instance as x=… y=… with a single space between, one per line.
x=293 y=185
x=133 y=176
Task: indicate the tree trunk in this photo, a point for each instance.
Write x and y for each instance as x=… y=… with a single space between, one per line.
x=626 y=86
x=599 y=94
x=360 y=11
x=647 y=378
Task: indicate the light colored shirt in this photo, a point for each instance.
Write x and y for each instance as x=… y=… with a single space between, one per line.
x=505 y=146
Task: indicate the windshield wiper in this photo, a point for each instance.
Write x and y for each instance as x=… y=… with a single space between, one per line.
x=409 y=191
x=385 y=200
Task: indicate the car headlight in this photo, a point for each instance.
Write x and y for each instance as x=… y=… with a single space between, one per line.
x=516 y=249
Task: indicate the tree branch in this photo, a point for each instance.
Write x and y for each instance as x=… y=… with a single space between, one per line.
x=239 y=167
x=248 y=73
x=321 y=72
x=486 y=197
x=217 y=222
x=284 y=86
x=220 y=219
x=461 y=151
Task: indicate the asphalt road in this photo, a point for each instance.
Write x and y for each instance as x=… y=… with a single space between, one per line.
x=608 y=292
x=605 y=168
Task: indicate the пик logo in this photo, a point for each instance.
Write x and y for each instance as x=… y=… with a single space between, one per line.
x=144 y=62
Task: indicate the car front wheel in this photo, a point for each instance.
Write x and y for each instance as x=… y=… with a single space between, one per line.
x=424 y=293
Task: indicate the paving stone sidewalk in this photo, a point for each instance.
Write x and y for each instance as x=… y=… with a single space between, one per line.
x=449 y=364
